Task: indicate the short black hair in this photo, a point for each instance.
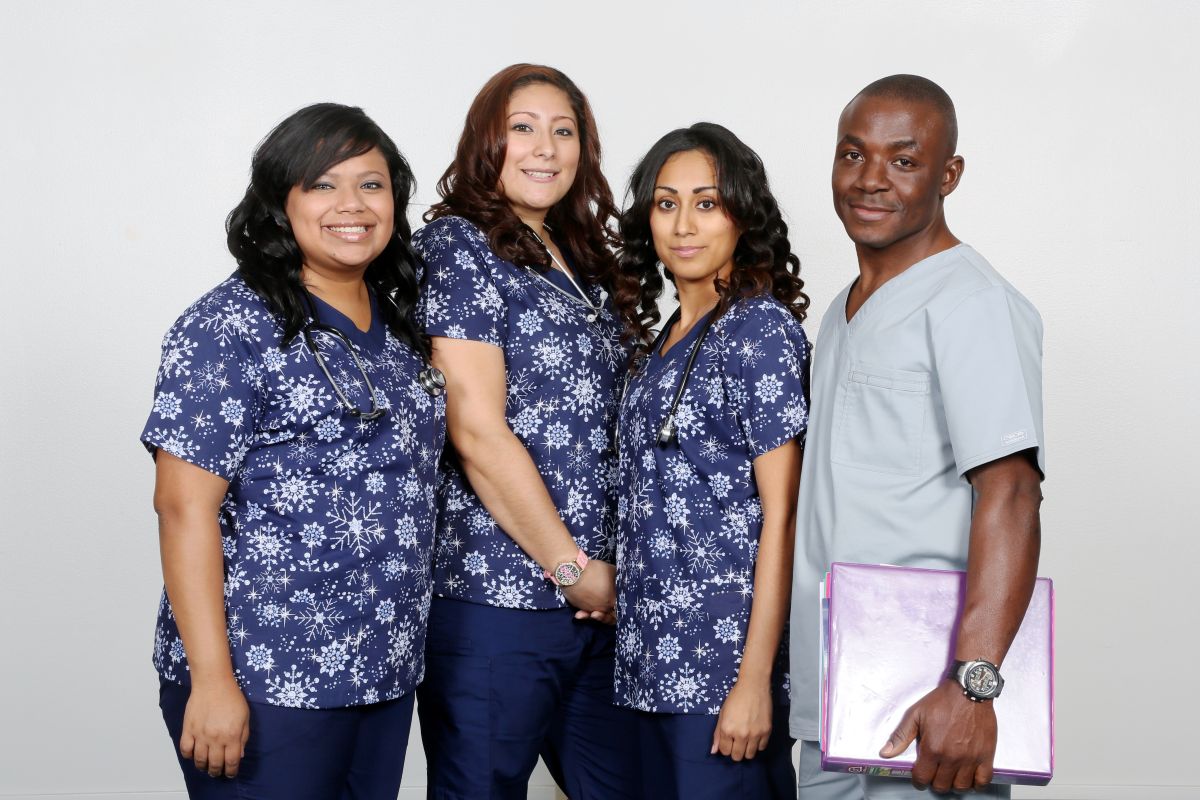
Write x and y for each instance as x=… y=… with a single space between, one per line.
x=915 y=89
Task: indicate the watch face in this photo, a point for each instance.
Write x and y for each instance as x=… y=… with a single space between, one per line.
x=567 y=573
x=981 y=680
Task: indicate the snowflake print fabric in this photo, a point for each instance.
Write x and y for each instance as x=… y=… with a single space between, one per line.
x=562 y=382
x=690 y=515
x=327 y=525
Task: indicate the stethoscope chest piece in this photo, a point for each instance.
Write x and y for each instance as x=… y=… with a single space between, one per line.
x=666 y=432
x=432 y=380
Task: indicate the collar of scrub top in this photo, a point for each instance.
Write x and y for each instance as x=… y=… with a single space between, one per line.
x=431 y=379
x=667 y=430
x=593 y=309
x=315 y=325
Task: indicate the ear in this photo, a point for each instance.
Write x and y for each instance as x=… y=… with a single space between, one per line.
x=952 y=174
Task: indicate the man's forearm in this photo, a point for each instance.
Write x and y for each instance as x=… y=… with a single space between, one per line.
x=1002 y=559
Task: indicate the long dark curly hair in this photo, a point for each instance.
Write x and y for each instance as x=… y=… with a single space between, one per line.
x=763 y=260
x=583 y=220
x=296 y=153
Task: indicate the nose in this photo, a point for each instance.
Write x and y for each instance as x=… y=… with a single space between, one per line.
x=545 y=146
x=349 y=199
x=873 y=176
x=685 y=220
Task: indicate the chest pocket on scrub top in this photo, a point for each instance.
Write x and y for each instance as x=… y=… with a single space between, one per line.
x=880 y=421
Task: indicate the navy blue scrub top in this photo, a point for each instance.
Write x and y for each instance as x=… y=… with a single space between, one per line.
x=690 y=516
x=327 y=527
x=563 y=377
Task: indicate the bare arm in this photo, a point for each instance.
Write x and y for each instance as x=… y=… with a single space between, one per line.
x=957 y=736
x=502 y=473
x=216 y=720
x=744 y=727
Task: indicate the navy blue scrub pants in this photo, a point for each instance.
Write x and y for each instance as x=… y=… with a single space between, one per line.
x=503 y=686
x=676 y=763
x=353 y=753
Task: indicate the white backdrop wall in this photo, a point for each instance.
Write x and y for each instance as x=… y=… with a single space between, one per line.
x=126 y=135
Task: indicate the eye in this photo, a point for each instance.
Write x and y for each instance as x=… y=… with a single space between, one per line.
x=905 y=162
x=320 y=186
x=665 y=204
x=373 y=185
x=564 y=132
x=852 y=155
x=706 y=204
x=522 y=127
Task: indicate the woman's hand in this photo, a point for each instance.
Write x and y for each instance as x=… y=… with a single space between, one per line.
x=595 y=595
x=744 y=726
x=216 y=725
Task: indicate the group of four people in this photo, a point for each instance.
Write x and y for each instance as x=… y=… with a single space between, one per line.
x=597 y=567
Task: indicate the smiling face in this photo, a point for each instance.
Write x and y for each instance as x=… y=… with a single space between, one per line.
x=893 y=167
x=541 y=153
x=693 y=236
x=345 y=219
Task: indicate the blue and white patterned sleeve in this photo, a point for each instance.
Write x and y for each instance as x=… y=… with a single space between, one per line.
x=208 y=395
x=461 y=299
x=766 y=375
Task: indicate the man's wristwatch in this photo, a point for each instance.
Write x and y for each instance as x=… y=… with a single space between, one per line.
x=980 y=680
x=568 y=573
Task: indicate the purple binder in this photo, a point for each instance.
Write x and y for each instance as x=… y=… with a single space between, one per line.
x=887 y=639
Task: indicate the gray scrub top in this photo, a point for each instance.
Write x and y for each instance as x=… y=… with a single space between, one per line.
x=940 y=371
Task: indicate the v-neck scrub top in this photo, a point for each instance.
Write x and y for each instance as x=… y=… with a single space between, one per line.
x=327 y=526
x=562 y=376
x=690 y=515
x=939 y=372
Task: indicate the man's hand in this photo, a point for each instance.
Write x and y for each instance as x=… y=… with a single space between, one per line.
x=216 y=725
x=595 y=593
x=956 y=740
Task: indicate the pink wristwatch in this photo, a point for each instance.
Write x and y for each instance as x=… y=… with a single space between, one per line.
x=568 y=573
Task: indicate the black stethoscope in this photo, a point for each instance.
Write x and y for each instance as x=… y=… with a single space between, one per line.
x=431 y=379
x=667 y=431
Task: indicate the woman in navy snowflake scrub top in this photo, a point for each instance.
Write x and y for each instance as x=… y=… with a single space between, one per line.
x=296 y=431
x=520 y=647
x=711 y=428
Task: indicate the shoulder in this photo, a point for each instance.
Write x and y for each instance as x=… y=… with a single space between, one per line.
x=231 y=312
x=447 y=234
x=970 y=279
x=761 y=316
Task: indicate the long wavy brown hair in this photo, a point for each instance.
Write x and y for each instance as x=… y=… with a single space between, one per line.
x=583 y=221
x=763 y=261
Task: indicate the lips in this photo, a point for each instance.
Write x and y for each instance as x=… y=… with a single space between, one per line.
x=686 y=252
x=540 y=176
x=870 y=213
x=349 y=233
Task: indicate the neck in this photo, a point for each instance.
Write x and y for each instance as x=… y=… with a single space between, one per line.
x=695 y=300
x=532 y=218
x=338 y=289
x=876 y=266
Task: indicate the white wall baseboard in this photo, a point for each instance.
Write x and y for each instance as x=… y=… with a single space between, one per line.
x=1068 y=791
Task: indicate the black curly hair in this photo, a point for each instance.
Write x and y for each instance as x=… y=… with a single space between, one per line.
x=297 y=152
x=763 y=260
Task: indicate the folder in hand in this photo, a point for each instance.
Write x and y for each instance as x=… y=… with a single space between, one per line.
x=888 y=639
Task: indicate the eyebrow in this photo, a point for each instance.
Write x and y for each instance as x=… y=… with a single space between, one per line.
x=535 y=115
x=697 y=190
x=897 y=144
x=332 y=172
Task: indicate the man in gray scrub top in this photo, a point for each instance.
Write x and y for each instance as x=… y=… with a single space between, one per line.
x=924 y=445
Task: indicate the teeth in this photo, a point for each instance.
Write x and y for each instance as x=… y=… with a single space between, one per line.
x=533 y=174
x=349 y=229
